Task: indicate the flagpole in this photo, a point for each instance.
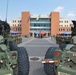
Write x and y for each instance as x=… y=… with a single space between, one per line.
x=7 y=10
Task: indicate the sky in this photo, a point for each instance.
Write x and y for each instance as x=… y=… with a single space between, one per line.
x=67 y=8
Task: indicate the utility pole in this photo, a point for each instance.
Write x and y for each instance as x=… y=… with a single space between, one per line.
x=6 y=10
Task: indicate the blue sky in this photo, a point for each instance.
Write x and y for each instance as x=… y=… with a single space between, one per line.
x=67 y=8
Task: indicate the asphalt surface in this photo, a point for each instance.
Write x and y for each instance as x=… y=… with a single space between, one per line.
x=37 y=48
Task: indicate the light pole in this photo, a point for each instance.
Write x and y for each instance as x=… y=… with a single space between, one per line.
x=7 y=10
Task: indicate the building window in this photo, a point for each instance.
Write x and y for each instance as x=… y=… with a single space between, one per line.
x=62 y=21
x=18 y=29
x=20 y=24
x=39 y=25
x=34 y=25
x=67 y=29
x=63 y=29
x=13 y=20
x=44 y=25
x=20 y=20
x=62 y=25
x=67 y=21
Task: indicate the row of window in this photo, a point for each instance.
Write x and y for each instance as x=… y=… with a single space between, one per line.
x=40 y=25
x=17 y=29
x=17 y=21
x=16 y=25
x=63 y=21
x=64 y=25
x=40 y=20
x=64 y=29
x=33 y=19
x=40 y=29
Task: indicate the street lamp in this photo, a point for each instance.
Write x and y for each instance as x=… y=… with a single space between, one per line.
x=7 y=10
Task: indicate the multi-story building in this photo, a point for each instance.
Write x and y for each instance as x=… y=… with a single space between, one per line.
x=64 y=26
x=37 y=25
x=16 y=25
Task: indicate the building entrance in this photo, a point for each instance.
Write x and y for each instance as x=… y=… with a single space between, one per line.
x=36 y=35
x=40 y=35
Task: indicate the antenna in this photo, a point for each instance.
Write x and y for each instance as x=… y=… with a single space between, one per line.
x=6 y=10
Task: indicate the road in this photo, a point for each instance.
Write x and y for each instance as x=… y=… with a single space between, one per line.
x=37 y=48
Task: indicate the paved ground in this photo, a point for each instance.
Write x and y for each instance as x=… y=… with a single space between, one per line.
x=37 y=47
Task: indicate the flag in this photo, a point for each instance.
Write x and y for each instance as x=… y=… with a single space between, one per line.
x=28 y=19
x=37 y=18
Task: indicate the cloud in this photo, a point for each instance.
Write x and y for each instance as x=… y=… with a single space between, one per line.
x=59 y=9
x=71 y=14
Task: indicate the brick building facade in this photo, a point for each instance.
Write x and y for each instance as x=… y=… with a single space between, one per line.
x=37 y=25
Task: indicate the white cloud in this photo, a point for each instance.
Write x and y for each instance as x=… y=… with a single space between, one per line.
x=59 y=9
x=71 y=14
